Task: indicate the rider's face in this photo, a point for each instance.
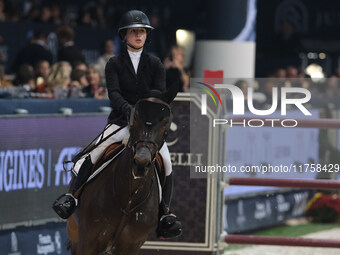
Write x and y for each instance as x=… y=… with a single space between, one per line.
x=136 y=37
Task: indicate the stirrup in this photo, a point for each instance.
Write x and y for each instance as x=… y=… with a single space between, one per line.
x=169 y=226
x=167 y=215
x=73 y=197
x=65 y=205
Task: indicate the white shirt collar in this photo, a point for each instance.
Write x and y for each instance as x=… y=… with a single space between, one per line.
x=133 y=54
x=135 y=58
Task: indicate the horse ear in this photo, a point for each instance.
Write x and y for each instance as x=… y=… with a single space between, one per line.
x=171 y=93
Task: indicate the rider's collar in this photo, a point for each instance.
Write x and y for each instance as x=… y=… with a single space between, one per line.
x=133 y=54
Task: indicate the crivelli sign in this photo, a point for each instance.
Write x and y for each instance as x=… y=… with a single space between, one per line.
x=241 y=97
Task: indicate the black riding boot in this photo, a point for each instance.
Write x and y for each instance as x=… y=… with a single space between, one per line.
x=168 y=225
x=65 y=205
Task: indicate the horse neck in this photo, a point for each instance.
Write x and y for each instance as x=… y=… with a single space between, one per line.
x=126 y=185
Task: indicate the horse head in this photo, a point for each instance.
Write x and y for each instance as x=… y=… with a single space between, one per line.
x=149 y=123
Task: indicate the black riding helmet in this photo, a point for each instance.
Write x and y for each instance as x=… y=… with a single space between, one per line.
x=133 y=18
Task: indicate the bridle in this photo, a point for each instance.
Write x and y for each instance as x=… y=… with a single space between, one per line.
x=147 y=132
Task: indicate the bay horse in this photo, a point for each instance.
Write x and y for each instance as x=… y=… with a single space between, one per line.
x=119 y=209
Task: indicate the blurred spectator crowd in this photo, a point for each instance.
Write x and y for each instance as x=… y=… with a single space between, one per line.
x=37 y=73
x=91 y=13
x=324 y=91
x=37 y=76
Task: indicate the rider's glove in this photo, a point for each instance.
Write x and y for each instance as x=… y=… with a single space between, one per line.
x=126 y=110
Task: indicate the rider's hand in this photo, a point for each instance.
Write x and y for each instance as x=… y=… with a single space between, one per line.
x=126 y=110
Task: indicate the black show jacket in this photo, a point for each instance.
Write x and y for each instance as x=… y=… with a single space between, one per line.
x=126 y=87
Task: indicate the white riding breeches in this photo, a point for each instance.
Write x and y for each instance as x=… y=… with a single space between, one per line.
x=119 y=136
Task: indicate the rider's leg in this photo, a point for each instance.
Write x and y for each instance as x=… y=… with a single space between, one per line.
x=167 y=189
x=98 y=150
x=65 y=205
x=83 y=173
x=118 y=137
x=169 y=225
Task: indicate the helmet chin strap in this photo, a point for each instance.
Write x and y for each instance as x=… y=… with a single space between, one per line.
x=133 y=47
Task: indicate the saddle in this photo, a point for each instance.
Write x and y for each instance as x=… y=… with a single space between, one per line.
x=113 y=150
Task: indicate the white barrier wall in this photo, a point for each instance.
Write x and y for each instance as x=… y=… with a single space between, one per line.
x=236 y=59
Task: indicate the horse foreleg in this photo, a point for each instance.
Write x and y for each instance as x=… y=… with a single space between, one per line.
x=127 y=248
x=88 y=249
x=92 y=243
x=72 y=233
x=73 y=248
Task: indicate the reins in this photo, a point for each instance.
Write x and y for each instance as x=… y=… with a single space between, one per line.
x=100 y=138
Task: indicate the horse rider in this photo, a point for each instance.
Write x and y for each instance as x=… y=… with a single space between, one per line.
x=129 y=76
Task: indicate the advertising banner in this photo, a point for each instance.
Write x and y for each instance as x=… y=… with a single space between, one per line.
x=260 y=211
x=32 y=152
x=49 y=239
